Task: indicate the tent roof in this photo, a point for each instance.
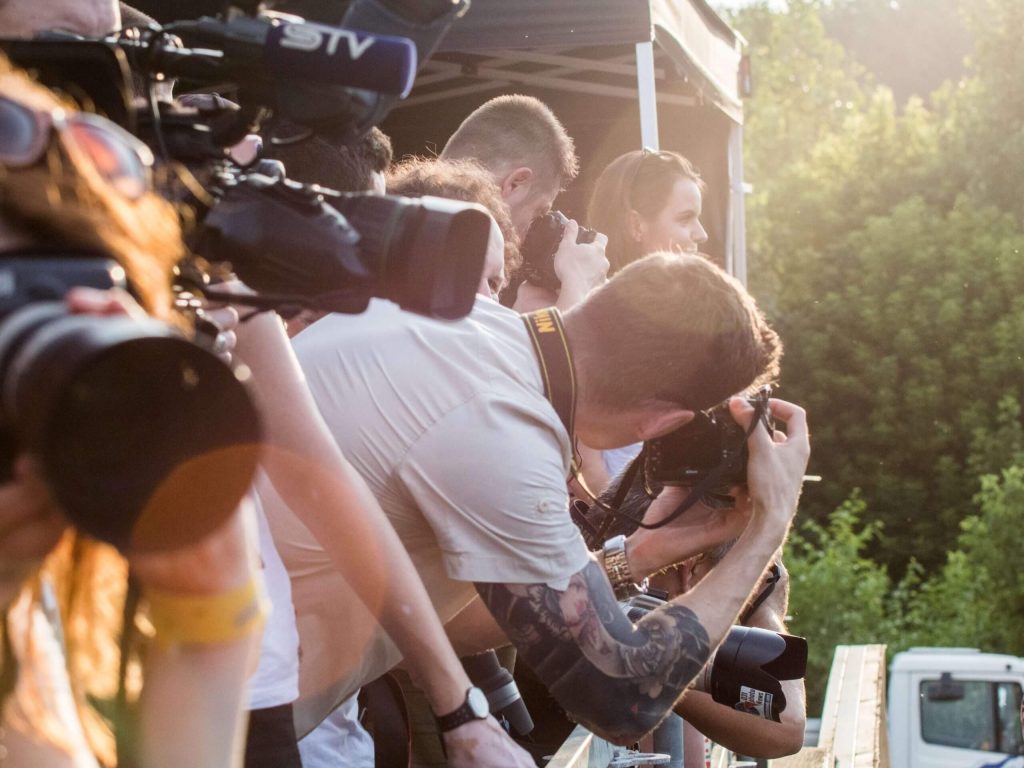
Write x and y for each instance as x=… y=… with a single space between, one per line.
x=700 y=47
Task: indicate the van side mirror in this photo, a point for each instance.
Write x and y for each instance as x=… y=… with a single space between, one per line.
x=945 y=689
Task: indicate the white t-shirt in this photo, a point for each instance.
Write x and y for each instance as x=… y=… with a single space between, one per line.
x=339 y=735
x=276 y=679
x=448 y=424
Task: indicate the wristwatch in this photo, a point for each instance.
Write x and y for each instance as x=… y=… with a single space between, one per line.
x=475 y=707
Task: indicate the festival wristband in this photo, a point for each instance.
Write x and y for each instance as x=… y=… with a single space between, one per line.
x=225 y=617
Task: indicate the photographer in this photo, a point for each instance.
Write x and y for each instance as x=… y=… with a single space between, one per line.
x=75 y=184
x=323 y=516
x=453 y=433
x=531 y=158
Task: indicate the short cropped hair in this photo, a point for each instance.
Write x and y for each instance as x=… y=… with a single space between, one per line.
x=324 y=160
x=464 y=180
x=516 y=130
x=672 y=328
x=641 y=181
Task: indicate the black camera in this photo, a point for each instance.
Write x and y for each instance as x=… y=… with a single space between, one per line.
x=711 y=443
x=746 y=670
x=147 y=440
x=539 y=246
x=303 y=246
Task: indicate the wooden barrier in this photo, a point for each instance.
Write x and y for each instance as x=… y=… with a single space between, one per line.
x=853 y=727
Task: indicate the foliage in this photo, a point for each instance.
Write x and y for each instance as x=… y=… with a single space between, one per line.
x=886 y=244
x=837 y=595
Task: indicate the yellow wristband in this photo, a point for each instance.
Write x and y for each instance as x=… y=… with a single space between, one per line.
x=207 y=619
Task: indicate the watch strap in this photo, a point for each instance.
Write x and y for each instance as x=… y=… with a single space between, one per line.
x=460 y=716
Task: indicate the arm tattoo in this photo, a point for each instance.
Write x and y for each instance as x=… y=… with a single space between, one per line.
x=614 y=677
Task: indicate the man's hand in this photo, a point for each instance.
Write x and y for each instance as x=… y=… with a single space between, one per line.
x=698 y=530
x=777 y=464
x=484 y=744
x=580 y=266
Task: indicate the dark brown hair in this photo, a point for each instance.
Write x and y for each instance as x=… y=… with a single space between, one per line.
x=641 y=181
x=672 y=328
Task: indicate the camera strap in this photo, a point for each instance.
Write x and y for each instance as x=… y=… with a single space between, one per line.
x=547 y=334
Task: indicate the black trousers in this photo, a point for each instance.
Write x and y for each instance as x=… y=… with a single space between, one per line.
x=271 y=741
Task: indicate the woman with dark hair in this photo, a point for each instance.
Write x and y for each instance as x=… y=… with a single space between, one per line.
x=74 y=181
x=647 y=201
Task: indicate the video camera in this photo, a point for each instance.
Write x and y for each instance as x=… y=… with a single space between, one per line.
x=299 y=246
x=75 y=390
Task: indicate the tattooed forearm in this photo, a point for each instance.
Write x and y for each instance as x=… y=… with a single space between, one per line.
x=616 y=678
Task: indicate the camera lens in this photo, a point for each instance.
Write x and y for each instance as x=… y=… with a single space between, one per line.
x=146 y=440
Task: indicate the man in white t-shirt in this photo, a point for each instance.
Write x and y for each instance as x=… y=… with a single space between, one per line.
x=449 y=425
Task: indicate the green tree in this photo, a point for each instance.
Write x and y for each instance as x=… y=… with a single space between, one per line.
x=837 y=595
x=903 y=337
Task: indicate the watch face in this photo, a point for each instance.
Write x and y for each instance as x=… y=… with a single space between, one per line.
x=477 y=702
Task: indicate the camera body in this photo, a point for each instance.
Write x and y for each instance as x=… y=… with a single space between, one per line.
x=540 y=244
x=711 y=442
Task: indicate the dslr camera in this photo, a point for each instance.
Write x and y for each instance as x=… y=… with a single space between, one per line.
x=712 y=448
x=539 y=246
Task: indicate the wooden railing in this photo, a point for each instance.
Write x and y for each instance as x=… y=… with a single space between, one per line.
x=853 y=733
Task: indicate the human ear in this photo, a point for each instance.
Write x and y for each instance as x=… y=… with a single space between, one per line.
x=516 y=181
x=635 y=223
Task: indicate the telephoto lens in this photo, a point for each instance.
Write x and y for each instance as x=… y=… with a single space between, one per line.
x=747 y=668
x=146 y=440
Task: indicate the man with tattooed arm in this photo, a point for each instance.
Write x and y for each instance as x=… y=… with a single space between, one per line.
x=451 y=428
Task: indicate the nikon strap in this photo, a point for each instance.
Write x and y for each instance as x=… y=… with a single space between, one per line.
x=556 y=367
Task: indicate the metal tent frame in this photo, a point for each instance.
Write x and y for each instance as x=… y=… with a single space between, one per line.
x=673 y=59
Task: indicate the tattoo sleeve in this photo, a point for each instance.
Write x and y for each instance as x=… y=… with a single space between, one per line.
x=616 y=678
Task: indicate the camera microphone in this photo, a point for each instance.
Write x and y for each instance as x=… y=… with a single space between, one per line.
x=288 y=48
x=503 y=695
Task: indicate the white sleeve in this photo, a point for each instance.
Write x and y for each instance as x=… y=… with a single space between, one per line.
x=490 y=480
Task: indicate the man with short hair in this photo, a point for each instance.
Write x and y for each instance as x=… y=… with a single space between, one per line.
x=450 y=426
x=531 y=158
x=526 y=149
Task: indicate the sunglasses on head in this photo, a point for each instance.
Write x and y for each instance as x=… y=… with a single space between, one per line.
x=645 y=154
x=122 y=160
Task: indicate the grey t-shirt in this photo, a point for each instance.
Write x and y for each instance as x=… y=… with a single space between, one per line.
x=448 y=424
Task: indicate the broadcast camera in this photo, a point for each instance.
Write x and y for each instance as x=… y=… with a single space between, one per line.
x=301 y=247
x=74 y=390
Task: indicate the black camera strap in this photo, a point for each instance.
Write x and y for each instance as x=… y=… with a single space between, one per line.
x=547 y=333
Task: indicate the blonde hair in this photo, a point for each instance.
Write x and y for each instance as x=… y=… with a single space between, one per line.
x=63 y=201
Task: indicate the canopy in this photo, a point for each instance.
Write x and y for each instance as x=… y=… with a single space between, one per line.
x=620 y=74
